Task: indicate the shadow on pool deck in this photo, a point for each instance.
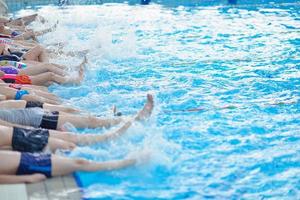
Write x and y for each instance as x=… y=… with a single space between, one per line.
x=54 y=188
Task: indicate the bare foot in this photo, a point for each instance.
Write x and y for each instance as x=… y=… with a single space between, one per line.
x=141 y=157
x=147 y=110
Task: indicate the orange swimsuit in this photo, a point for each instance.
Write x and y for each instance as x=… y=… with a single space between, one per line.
x=18 y=79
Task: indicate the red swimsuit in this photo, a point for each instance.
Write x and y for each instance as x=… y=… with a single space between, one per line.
x=18 y=79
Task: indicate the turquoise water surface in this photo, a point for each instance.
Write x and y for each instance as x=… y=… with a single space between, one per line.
x=226 y=82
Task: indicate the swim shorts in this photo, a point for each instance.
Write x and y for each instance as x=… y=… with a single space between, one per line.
x=35 y=163
x=15 y=86
x=15 y=33
x=9 y=70
x=20 y=94
x=10 y=58
x=17 y=53
x=50 y=120
x=27 y=117
x=18 y=79
x=29 y=140
x=23 y=79
x=34 y=104
x=18 y=65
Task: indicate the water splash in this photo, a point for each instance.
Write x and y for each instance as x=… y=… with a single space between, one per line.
x=237 y=66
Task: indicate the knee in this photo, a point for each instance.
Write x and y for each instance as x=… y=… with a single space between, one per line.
x=39 y=48
x=71 y=146
x=70 y=137
x=48 y=66
x=51 y=75
x=68 y=145
x=30 y=32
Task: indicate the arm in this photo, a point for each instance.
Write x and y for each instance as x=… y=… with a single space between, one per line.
x=13 y=179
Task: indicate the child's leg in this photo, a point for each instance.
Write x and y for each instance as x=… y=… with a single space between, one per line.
x=40 y=99
x=60 y=108
x=43 y=94
x=27 y=19
x=39 y=69
x=87 y=139
x=63 y=166
x=86 y=121
x=37 y=53
x=42 y=79
x=54 y=144
x=95 y=122
x=42 y=32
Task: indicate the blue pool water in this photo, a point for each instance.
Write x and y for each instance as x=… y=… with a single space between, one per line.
x=226 y=82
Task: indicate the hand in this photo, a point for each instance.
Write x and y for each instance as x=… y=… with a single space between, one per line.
x=35 y=178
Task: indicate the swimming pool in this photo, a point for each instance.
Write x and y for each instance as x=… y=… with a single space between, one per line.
x=226 y=81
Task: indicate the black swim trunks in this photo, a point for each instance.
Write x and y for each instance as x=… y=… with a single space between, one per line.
x=34 y=104
x=50 y=120
x=35 y=163
x=29 y=140
x=17 y=53
x=10 y=58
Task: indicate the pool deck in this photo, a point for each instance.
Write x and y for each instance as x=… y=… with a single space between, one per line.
x=55 y=188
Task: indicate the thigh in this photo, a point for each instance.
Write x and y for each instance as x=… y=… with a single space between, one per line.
x=32 y=54
x=10 y=161
x=55 y=144
x=33 y=70
x=77 y=120
x=66 y=136
x=40 y=79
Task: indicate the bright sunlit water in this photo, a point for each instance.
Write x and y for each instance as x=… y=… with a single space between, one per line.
x=226 y=82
